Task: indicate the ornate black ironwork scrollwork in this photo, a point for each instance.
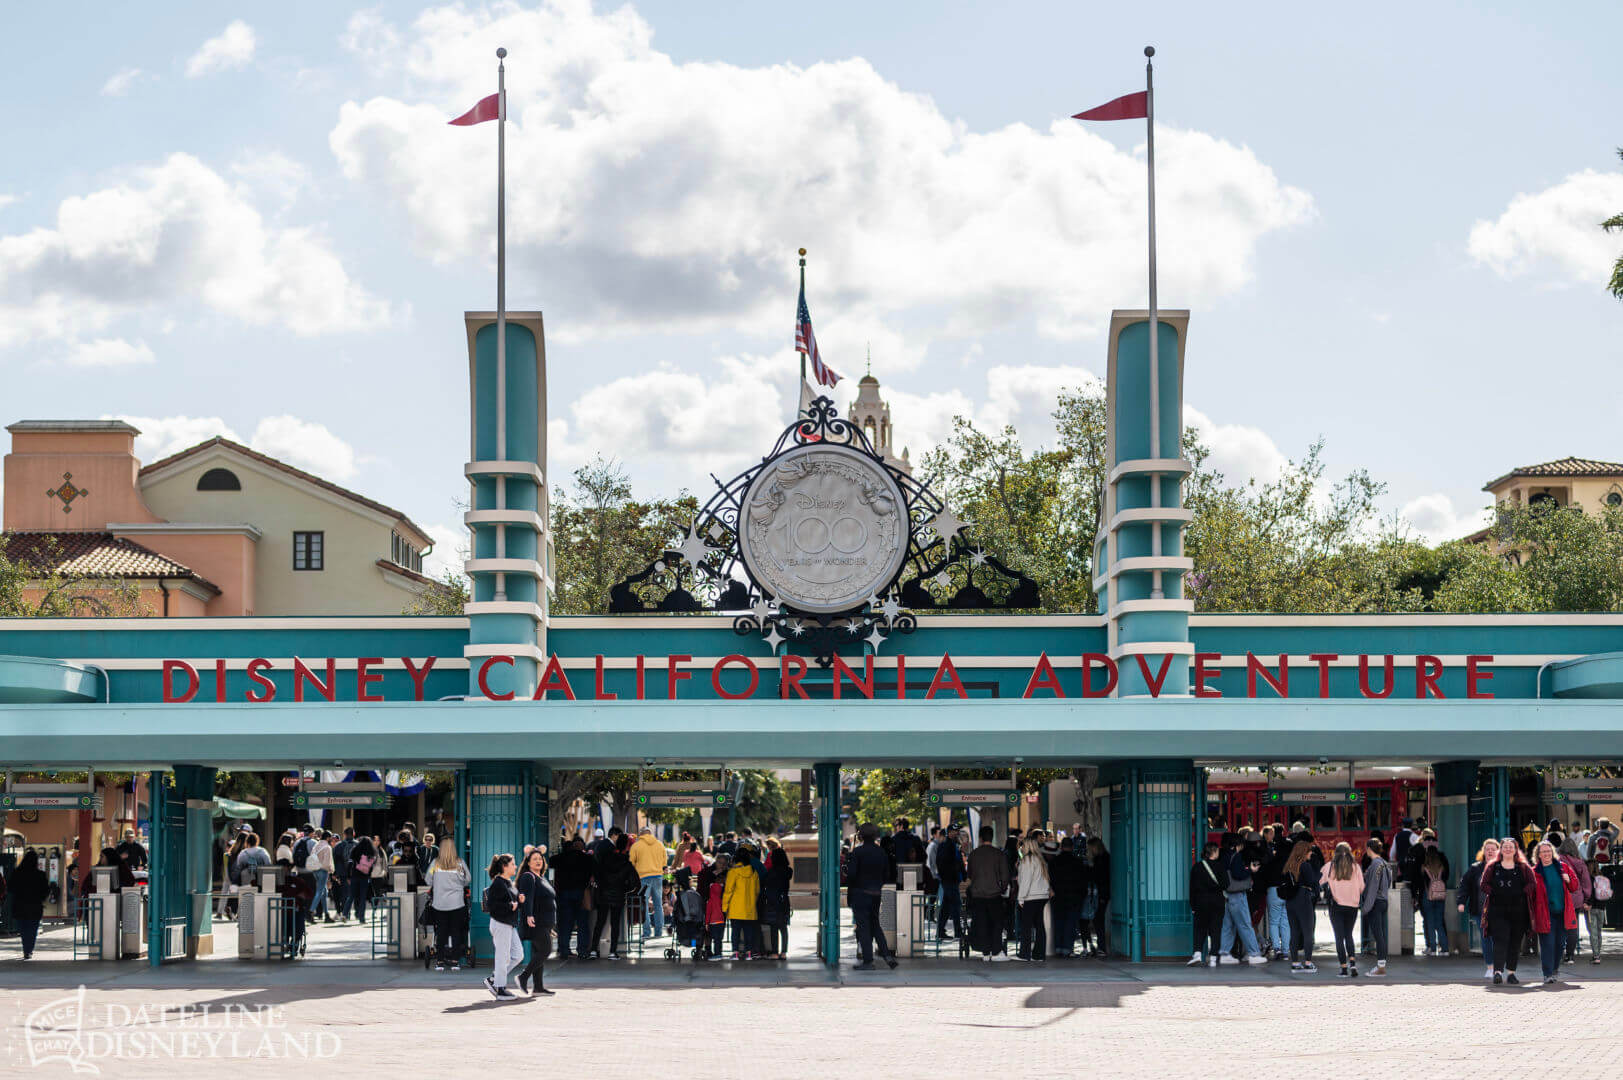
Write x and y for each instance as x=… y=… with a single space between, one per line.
x=941 y=571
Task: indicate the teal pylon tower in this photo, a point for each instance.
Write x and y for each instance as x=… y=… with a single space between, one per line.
x=1139 y=562
x=510 y=556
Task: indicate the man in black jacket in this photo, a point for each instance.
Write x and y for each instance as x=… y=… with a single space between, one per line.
x=571 y=874
x=949 y=870
x=867 y=871
x=1068 y=877
x=341 y=861
x=1208 y=896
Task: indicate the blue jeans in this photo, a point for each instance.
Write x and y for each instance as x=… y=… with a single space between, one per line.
x=1237 y=920
x=951 y=905
x=653 y=892
x=1436 y=929
x=572 y=922
x=1487 y=947
x=360 y=887
x=1277 y=922
x=1550 y=945
x=318 y=906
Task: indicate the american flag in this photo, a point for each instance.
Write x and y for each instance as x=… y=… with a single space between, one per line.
x=806 y=342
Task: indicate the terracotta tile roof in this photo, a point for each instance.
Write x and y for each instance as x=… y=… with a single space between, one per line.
x=1567 y=466
x=266 y=459
x=409 y=575
x=95 y=554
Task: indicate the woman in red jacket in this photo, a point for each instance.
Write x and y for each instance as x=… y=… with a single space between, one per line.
x=1556 y=910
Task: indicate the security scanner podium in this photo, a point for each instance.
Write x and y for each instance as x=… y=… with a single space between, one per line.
x=395 y=934
x=259 y=903
x=116 y=917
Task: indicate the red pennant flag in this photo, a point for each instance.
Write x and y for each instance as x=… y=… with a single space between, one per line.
x=1127 y=107
x=489 y=108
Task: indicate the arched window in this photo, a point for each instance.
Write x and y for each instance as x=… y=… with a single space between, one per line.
x=1614 y=499
x=219 y=480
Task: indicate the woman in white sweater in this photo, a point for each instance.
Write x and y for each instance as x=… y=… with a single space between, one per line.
x=1032 y=893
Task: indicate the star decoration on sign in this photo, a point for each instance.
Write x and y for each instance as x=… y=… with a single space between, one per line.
x=761 y=609
x=876 y=639
x=853 y=628
x=773 y=638
x=796 y=629
x=977 y=557
x=948 y=525
x=693 y=549
x=890 y=608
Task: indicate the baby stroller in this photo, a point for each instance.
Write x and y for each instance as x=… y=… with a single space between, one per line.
x=690 y=928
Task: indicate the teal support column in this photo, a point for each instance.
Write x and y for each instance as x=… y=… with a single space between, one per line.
x=510 y=563
x=1454 y=785
x=1490 y=806
x=827 y=778
x=1138 y=558
x=195 y=783
x=1151 y=831
x=167 y=902
x=501 y=817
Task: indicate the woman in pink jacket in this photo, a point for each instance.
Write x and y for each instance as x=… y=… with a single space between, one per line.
x=1344 y=889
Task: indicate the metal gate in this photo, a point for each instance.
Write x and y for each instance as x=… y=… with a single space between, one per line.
x=167 y=898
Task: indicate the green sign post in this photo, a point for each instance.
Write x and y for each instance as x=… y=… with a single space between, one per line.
x=1318 y=797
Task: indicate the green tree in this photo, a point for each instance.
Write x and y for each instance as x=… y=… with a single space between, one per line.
x=1615 y=222
x=602 y=534
x=446 y=596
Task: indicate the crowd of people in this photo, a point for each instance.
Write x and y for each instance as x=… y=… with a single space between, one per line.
x=1255 y=895
x=690 y=897
x=330 y=877
x=1006 y=889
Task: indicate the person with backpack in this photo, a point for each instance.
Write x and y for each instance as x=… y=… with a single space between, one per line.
x=1208 y=897
x=1598 y=848
x=363 y=859
x=1431 y=883
x=1373 y=904
x=1299 y=886
x=233 y=876
x=338 y=882
x=502 y=903
x=1470 y=897
x=712 y=887
x=1595 y=914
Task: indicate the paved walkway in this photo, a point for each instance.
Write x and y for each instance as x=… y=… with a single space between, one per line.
x=761 y=1020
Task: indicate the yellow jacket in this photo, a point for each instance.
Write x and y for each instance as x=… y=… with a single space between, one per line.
x=743 y=888
x=648 y=856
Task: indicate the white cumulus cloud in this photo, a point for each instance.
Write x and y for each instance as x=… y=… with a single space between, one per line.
x=109 y=352
x=232 y=48
x=121 y=82
x=674 y=193
x=1556 y=230
x=164 y=435
x=1435 y=518
x=307 y=444
x=450 y=549
x=1239 y=451
x=303 y=443
x=176 y=233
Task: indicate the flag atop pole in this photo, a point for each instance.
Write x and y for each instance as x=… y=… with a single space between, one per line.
x=1134 y=106
x=806 y=342
x=494 y=108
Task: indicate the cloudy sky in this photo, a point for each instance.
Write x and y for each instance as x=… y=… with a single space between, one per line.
x=253 y=220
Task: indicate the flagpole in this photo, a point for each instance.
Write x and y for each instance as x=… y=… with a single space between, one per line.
x=800 y=391
x=1156 y=591
x=501 y=304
